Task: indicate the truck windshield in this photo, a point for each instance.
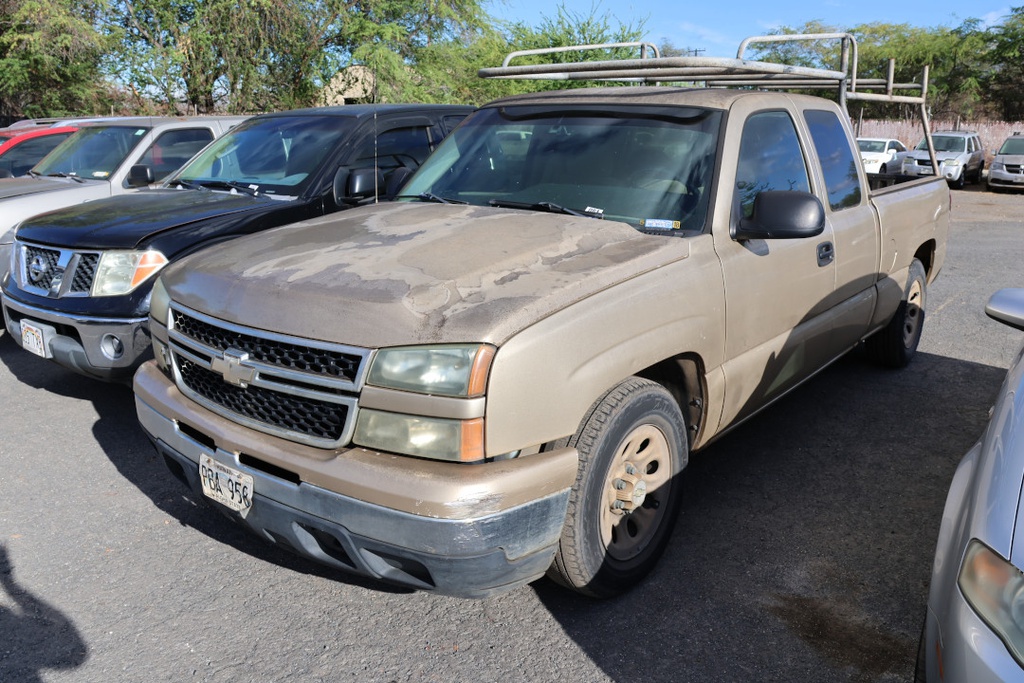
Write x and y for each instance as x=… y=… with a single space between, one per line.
x=278 y=155
x=650 y=167
x=93 y=152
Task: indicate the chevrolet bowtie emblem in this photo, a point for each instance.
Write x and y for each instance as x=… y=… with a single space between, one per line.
x=231 y=367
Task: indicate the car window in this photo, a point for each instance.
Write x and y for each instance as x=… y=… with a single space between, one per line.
x=1014 y=145
x=397 y=147
x=172 y=149
x=770 y=158
x=836 y=157
x=92 y=152
x=20 y=159
x=900 y=147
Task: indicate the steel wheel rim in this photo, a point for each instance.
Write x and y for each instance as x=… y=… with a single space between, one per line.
x=628 y=527
x=912 y=319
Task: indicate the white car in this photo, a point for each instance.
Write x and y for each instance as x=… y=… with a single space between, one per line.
x=974 y=629
x=881 y=155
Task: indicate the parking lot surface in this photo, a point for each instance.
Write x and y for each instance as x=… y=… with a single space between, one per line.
x=802 y=554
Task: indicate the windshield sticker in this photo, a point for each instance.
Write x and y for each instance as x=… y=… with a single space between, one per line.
x=593 y=211
x=100 y=174
x=660 y=224
x=141 y=131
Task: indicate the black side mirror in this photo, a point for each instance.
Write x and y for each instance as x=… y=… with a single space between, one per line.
x=140 y=175
x=351 y=187
x=782 y=214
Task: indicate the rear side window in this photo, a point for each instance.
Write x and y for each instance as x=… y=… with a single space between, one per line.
x=836 y=156
x=396 y=147
x=172 y=149
x=770 y=158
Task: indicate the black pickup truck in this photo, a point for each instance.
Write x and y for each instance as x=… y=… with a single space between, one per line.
x=78 y=290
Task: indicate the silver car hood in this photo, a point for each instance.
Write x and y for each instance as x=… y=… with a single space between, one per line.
x=408 y=273
x=28 y=185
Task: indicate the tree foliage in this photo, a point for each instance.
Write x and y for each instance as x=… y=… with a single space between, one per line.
x=59 y=56
x=50 y=51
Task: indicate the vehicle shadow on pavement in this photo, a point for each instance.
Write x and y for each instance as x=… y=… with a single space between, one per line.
x=36 y=635
x=122 y=439
x=804 y=547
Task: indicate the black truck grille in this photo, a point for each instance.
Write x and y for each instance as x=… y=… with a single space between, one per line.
x=310 y=417
x=282 y=354
x=40 y=267
x=297 y=389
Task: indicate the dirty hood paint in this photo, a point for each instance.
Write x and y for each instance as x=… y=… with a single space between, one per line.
x=410 y=273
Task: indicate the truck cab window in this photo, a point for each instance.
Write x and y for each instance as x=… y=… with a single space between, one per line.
x=770 y=158
x=832 y=144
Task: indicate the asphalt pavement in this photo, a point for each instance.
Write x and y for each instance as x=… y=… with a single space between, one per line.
x=802 y=553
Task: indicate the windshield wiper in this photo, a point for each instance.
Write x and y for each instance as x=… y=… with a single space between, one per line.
x=231 y=185
x=550 y=207
x=431 y=197
x=187 y=184
x=34 y=174
x=65 y=175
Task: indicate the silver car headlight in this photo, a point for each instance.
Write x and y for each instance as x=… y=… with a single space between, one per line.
x=998 y=166
x=994 y=588
x=950 y=162
x=120 y=272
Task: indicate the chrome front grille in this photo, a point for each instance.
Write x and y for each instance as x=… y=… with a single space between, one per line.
x=298 y=389
x=55 y=272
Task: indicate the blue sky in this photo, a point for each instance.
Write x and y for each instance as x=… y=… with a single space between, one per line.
x=719 y=28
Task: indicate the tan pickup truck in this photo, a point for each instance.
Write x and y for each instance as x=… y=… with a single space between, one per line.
x=502 y=374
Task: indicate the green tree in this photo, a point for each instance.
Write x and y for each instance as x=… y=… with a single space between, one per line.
x=1004 y=81
x=50 y=53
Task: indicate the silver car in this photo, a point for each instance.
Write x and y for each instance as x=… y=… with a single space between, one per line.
x=974 y=629
x=1007 y=170
x=960 y=154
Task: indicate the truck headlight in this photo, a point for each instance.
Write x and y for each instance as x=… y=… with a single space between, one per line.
x=120 y=272
x=997 y=166
x=950 y=162
x=995 y=590
x=458 y=370
x=425 y=437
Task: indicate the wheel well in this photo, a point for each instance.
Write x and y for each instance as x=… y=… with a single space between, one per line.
x=926 y=255
x=683 y=376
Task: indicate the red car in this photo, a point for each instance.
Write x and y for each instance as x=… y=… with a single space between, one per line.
x=28 y=146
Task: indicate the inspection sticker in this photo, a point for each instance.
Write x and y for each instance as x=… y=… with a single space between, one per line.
x=660 y=224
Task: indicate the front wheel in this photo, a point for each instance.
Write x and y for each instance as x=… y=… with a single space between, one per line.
x=896 y=343
x=632 y=447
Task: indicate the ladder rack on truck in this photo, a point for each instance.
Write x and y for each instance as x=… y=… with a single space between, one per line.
x=722 y=72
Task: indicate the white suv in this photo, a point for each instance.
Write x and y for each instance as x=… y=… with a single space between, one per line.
x=959 y=153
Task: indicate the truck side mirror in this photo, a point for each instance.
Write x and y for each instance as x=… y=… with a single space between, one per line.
x=140 y=175
x=782 y=214
x=351 y=187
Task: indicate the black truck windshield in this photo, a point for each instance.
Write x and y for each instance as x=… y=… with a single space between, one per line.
x=276 y=155
x=93 y=152
x=647 y=166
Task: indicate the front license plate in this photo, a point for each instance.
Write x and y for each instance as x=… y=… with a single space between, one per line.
x=226 y=485
x=1019 y=179
x=32 y=339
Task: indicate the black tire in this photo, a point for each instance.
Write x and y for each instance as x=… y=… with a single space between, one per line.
x=959 y=183
x=883 y=169
x=895 y=344
x=632 y=446
x=981 y=173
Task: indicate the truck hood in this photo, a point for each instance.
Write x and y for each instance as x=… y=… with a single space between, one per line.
x=125 y=221
x=26 y=185
x=922 y=155
x=407 y=273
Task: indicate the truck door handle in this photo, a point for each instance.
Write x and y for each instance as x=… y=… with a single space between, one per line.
x=826 y=253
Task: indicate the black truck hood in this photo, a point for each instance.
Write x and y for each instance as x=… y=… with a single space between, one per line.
x=125 y=222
